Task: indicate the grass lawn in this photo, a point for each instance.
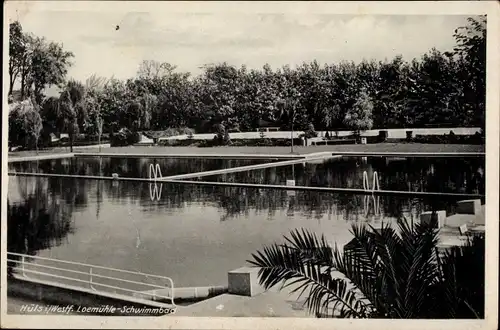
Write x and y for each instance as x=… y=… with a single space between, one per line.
x=379 y=147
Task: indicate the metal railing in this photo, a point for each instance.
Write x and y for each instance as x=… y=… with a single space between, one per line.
x=90 y=277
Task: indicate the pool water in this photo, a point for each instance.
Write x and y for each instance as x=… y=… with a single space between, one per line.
x=130 y=167
x=192 y=233
x=452 y=175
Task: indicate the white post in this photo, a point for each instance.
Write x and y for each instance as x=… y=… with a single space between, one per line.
x=90 y=283
x=22 y=265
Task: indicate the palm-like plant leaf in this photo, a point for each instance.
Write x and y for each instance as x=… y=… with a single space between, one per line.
x=301 y=264
x=384 y=273
x=462 y=280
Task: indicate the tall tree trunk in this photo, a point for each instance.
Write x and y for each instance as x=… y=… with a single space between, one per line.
x=23 y=87
x=11 y=85
x=99 y=141
x=70 y=142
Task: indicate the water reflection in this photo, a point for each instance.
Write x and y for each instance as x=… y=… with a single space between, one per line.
x=179 y=230
x=130 y=167
x=403 y=174
x=38 y=220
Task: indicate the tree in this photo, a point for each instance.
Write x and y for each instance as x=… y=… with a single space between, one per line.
x=49 y=66
x=72 y=109
x=382 y=273
x=390 y=95
x=94 y=87
x=150 y=69
x=218 y=90
x=471 y=49
x=25 y=123
x=17 y=49
x=359 y=117
x=36 y=62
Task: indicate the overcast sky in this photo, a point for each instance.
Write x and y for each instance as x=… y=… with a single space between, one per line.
x=192 y=39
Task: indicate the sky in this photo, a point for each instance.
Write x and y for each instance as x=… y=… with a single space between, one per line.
x=191 y=39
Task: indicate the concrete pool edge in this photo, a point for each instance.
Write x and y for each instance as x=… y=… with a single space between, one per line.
x=39 y=157
x=250 y=156
x=456 y=154
x=207 y=155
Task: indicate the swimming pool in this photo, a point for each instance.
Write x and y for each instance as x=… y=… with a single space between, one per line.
x=194 y=234
x=447 y=175
x=130 y=167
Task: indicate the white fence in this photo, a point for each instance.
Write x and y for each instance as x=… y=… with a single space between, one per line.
x=397 y=133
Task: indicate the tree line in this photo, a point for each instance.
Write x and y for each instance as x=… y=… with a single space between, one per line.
x=437 y=89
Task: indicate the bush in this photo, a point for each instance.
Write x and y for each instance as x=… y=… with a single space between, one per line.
x=124 y=137
x=171 y=131
x=450 y=139
x=226 y=138
x=310 y=132
x=180 y=143
x=266 y=142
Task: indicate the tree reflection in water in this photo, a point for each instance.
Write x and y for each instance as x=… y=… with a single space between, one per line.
x=239 y=201
x=403 y=174
x=40 y=219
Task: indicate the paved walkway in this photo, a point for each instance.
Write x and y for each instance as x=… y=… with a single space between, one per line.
x=265 y=152
x=376 y=147
x=38 y=157
x=268 y=304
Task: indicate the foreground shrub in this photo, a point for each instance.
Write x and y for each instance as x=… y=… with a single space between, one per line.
x=381 y=273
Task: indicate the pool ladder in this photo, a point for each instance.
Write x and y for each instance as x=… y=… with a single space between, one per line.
x=366 y=182
x=376 y=205
x=155 y=171
x=154 y=190
x=369 y=199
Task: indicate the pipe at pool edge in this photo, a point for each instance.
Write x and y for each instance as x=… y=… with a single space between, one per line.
x=184 y=294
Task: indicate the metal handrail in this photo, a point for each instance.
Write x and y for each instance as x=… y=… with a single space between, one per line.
x=99 y=284
x=94 y=275
x=88 y=265
x=91 y=275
